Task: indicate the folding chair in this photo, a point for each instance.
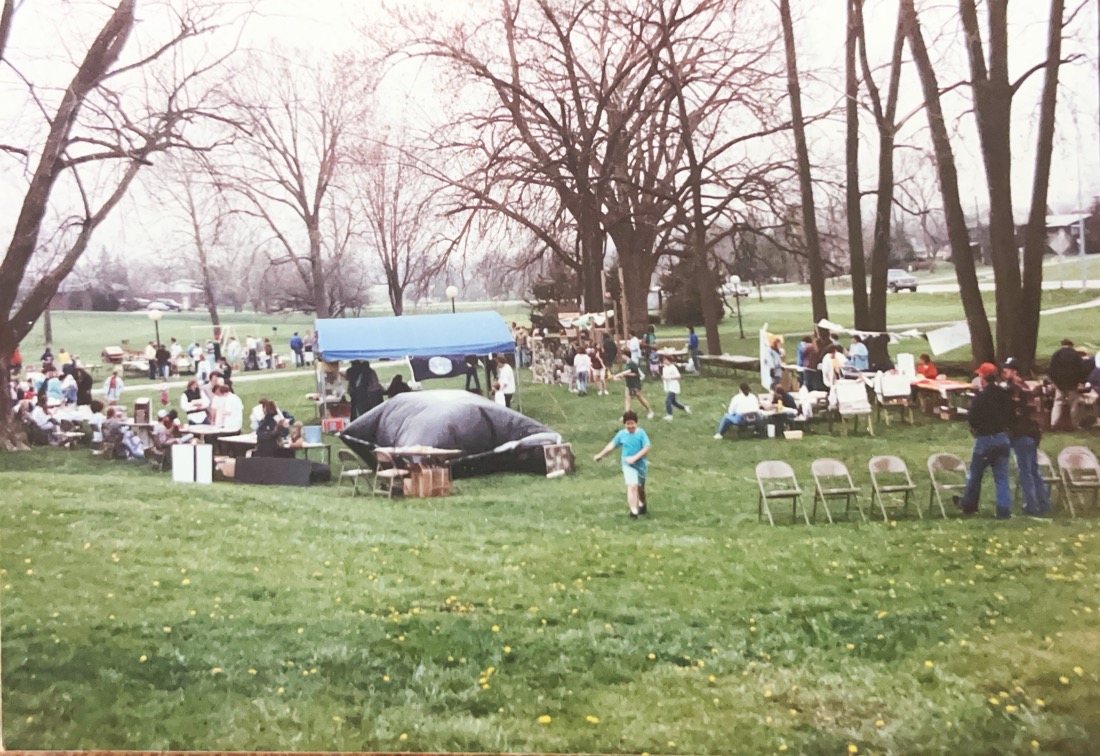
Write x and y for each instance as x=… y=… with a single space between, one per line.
x=833 y=481
x=776 y=480
x=893 y=392
x=1080 y=472
x=893 y=468
x=1049 y=475
x=940 y=466
x=386 y=473
x=350 y=470
x=851 y=401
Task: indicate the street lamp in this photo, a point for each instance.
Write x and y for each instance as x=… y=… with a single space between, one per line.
x=452 y=292
x=155 y=316
x=736 y=281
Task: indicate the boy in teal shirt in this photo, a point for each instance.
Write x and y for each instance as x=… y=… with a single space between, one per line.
x=635 y=446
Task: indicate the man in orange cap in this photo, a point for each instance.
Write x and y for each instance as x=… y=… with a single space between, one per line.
x=989 y=416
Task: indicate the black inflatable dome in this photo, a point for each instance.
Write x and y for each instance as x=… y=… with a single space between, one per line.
x=492 y=437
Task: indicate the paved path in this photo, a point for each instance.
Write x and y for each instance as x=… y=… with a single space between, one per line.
x=249 y=377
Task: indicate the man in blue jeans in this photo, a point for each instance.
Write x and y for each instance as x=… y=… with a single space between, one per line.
x=1024 y=433
x=990 y=414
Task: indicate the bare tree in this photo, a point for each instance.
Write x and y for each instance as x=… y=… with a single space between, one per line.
x=805 y=179
x=396 y=204
x=1018 y=301
x=981 y=337
x=296 y=122
x=96 y=135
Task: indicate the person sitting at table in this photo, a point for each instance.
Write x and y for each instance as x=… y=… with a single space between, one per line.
x=257 y=415
x=272 y=432
x=194 y=403
x=54 y=392
x=857 y=354
x=743 y=407
x=228 y=409
x=96 y=420
x=68 y=389
x=121 y=437
x=397 y=386
x=926 y=369
x=42 y=428
x=166 y=431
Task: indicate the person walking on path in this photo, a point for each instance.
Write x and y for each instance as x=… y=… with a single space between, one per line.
x=632 y=374
x=635 y=463
x=670 y=378
x=693 y=349
x=989 y=416
x=296 y=346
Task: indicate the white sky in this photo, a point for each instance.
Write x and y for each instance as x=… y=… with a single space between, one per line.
x=45 y=28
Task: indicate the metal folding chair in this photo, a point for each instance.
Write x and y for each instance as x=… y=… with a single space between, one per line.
x=833 y=481
x=894 y=469
x=1080 y=473
x=944 y=471
x=386 y=473
x=776 y=480
x=349 y=470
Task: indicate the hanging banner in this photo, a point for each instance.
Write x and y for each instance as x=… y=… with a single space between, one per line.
x=944 y=340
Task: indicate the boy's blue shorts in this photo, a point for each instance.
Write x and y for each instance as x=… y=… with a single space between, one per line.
x=634 y=476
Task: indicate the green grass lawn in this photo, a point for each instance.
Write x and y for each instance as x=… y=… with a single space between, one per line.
x=525 y=614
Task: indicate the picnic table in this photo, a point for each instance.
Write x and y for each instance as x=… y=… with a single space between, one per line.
x=212 y=432
x=239 y=445
x=952 y=392
x=730 y=362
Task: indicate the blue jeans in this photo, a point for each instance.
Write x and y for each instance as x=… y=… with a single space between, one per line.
x=731 y=419
x=989 y=451
x=670 y=402
x=582 y=382
x=1034 y=490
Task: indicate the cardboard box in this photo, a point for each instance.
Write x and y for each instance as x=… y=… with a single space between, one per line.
x=559 y=457
x=334 y=424
x=427 y=481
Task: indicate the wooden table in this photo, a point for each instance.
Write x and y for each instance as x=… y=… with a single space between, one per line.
x=929 y=389
x=428 y=465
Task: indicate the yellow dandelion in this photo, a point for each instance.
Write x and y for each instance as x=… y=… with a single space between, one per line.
x=994 y=701
x=544 y=719
x=1063 y=679
x=143 y=658
x=185 y=581
x=281 y=690
x=879 y=723
x=495 y=628
x=167 y=629
x=1035 y=745
x=301 y=630
x=651 y=656
x=403 y=737
x=767 y=693
x=592 y=720
x=853 y=748
x=1040 y=702
x=507 y=649
x=1078 y=671
x=156 y=584
x=385 y=678
x=337 y=719
x=782 y=746
x=929 y=663
x=882 y=614
x=216 y=671
x=251 y=671
x=1011 y=709
x=850 y=646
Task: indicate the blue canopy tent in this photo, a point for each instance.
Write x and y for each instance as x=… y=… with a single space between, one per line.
x=434 y=345
x=444 y=335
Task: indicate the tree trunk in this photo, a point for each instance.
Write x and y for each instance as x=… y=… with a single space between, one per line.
x=317 y=271
x=591 y=268
x=981 y=338
x=815 y=265
x=857 y=266
x=880 y=247
x=1027 y=331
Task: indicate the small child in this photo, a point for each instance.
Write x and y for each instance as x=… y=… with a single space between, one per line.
x=670 y=377
x=635 y=445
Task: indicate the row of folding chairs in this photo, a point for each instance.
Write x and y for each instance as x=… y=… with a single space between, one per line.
x=892 y=487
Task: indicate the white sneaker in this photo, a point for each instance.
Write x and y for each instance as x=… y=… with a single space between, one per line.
x=668 y=417
x=717 y=436
x=650 y=416
x=687 y=408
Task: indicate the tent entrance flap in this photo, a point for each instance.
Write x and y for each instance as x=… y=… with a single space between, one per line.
x=447 y=334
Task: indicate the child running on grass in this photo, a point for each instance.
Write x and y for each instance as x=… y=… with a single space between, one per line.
x=670 y=375
x=632 y=374
x=635 y=444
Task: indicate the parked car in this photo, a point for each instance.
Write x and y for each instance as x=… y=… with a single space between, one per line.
x=897 y=279
x=169 y=304
x=158 y=305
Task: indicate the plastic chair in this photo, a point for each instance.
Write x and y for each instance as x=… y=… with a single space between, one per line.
x=893 y=392
x=851 y=401
x=386 y=473
x=1080 y=472
x=892 y=467
x=776 y=480
x=833 y=481
x=940 y=465
x=349 y=470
